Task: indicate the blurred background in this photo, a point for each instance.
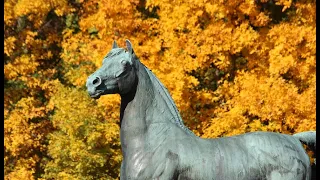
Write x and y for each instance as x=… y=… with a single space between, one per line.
x=231 y=66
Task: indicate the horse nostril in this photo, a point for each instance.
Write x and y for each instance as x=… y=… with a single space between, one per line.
x=96 y=81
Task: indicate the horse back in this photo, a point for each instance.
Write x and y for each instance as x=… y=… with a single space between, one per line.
x=249 y=156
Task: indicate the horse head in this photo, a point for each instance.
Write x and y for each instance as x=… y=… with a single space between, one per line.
x=116 y=75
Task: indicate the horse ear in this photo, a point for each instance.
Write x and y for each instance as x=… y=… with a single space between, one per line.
x=129 y=46
x=114 y=45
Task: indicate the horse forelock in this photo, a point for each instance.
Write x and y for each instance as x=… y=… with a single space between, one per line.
x=114 y=52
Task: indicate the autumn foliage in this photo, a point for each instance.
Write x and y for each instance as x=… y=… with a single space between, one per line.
x=232 y=66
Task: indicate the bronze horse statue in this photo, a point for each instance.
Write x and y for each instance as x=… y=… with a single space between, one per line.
x=157 y=145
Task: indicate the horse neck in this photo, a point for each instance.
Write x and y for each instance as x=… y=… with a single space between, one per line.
x=150 y=104
x=164 y=95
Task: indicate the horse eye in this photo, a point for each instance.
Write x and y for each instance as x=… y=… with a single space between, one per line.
x=124 y=62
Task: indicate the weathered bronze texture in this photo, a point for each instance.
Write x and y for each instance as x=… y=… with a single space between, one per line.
x=157 y=145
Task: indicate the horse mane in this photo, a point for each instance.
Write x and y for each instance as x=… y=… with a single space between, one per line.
x=168 y=99
x=112 y=53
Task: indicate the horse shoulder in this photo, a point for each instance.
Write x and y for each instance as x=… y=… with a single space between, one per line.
x=152 y=165
x=167 y=169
